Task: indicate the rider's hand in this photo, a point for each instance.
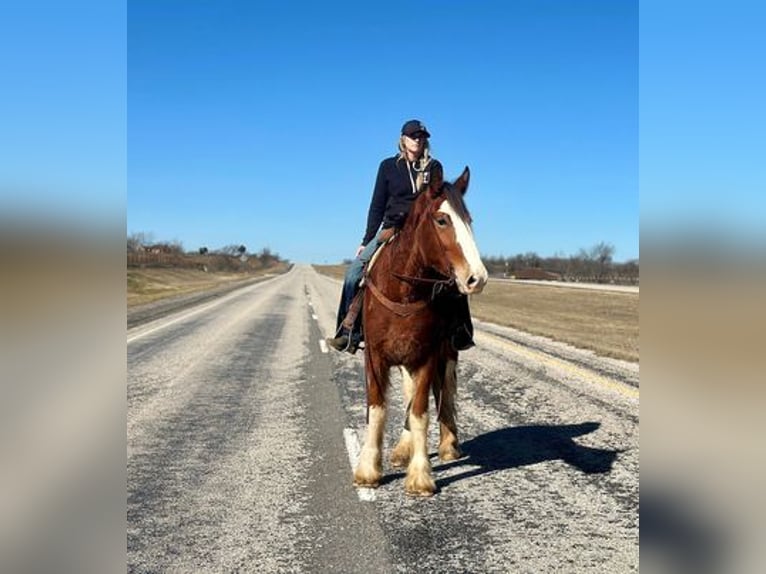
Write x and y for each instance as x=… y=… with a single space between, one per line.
x=359 y=250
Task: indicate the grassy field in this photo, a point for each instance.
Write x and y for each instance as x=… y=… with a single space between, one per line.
x=603 y=321
x=152 y=284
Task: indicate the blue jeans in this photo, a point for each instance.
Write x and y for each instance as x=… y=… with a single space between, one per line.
x=352 y=279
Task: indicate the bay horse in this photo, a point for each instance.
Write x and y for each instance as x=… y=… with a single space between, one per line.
x=405 y=325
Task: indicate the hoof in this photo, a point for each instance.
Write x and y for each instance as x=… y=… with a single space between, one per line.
x=449 y=454
x=371 y=481
x=422 y=487
x=399 y=460
x=419 y=493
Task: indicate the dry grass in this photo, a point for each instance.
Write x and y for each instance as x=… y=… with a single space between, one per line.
x=152 y=284
x=602 y=321
x=337 y=271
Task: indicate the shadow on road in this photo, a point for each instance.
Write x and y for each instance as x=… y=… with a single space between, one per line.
x=513 y=447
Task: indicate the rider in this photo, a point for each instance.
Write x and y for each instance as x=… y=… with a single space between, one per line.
x=399 y=179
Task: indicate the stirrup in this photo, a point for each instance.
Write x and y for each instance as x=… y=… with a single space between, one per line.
x=351 y=345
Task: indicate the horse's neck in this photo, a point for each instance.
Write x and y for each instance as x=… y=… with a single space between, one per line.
x=404 y=260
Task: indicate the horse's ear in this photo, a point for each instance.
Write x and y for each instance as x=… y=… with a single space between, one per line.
x=461 y=183
x=436 y=181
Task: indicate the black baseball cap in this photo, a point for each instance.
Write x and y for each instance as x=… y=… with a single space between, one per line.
x=414 y=127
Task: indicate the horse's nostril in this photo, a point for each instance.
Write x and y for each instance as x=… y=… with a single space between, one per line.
x=472 y=281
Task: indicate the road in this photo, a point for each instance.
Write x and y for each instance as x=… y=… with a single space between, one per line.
x=242 y=428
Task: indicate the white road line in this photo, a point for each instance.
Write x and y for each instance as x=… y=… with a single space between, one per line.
x=352 y=447
x=323 y=346
x=183 y=317
x=314 y=316
x=236 y=293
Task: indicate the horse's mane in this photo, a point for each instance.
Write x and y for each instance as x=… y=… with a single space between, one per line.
x=456 y=201
x=449 y=192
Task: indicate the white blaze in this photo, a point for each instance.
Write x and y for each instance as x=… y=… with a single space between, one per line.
x=464 y=236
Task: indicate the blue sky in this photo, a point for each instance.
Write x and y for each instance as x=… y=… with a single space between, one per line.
x=263 y=123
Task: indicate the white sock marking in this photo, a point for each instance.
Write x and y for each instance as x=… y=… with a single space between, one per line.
x=353 y=449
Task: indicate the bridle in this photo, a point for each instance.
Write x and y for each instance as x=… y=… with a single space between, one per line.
x=407 y=309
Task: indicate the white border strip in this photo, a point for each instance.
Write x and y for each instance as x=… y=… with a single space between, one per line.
x=159 y=324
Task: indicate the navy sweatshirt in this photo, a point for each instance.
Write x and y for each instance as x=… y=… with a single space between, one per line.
x=393 y=194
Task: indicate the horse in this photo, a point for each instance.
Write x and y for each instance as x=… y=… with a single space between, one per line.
x=405 y=325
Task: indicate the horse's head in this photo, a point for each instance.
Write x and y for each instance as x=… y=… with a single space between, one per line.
x=445 y=235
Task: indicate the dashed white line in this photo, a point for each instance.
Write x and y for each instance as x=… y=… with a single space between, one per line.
x=323 y=346
x=352 y=447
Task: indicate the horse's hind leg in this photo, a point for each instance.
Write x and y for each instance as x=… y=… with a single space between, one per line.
x=402 y=452
x=370 y=469
x=445 y=395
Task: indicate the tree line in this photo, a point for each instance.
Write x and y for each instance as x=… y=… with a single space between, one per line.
x=142 y=251
x=593 y=265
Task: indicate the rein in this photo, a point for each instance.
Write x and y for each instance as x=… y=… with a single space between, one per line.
x=407 y=309
x=401 y=309
x=438 y=284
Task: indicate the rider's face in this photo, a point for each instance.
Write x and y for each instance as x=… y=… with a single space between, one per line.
x=414 y=144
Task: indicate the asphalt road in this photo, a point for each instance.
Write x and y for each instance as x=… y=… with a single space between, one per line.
x=242 y=428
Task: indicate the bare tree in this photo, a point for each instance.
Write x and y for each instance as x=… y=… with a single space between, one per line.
x=138 y=240
x=601 y=254
x=532 y=259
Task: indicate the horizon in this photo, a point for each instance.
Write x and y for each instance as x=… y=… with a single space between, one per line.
x=151 y=241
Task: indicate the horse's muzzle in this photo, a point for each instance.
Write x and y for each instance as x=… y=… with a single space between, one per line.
x=473 y=282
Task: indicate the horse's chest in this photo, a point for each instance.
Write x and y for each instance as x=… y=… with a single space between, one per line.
x=409 y=347
x=404 y=350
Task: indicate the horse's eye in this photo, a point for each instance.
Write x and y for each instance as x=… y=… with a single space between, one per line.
x=442 y=221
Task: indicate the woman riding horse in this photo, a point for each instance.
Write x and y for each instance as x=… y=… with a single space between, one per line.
x=399 y=180
x=405 y=325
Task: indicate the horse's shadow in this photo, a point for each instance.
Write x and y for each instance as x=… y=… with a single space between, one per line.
x=513 y=447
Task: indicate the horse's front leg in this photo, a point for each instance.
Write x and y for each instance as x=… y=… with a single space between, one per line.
x=445 y=396
x=419 y=481
x=402 y=452
x=369 y=470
